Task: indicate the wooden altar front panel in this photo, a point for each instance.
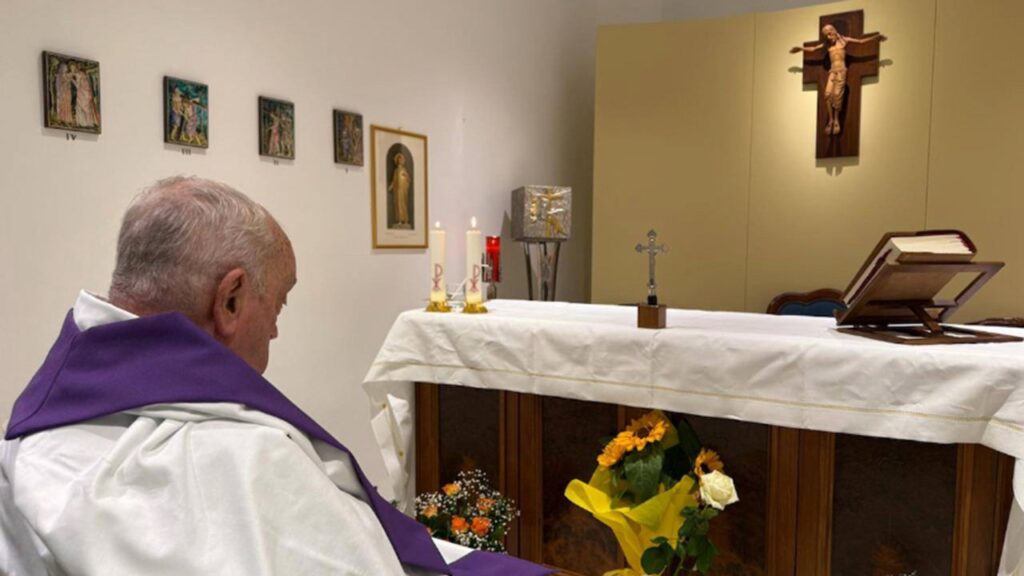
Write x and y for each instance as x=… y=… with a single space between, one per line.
x=799 y=515
x=570 y=433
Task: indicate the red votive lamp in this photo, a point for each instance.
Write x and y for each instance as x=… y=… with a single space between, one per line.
x=493 y=250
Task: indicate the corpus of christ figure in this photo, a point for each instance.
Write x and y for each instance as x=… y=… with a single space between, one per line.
x=852 y=56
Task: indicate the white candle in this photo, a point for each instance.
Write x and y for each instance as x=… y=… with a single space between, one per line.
x=437 y=287
x=474 y=273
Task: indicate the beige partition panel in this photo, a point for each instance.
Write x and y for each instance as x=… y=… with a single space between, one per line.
x=977 y=148
x=672 y=151
x=813 y=222
x=705 y=131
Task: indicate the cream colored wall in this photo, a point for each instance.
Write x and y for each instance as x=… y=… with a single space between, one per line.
x=977 y=143
x=504 y=91
x=672 y=152
x=812 y=222
x=808 y=223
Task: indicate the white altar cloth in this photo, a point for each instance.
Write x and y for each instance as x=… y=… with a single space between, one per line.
x=789 y=371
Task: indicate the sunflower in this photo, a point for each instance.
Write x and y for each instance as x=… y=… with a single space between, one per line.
x=647 y=429
x=707 y=461
x=625 y=440
x=613 y=452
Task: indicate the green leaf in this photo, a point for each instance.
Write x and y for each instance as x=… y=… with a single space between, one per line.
x=693 y=546
x=706 y=557
x=709 y=513
x=680 y=551
x=689 y=528
x=677 y=464
x=660 y=540
x=654 y=559
x=643 y=471
x=688 y=440
x=702 y=527
x=702 y=544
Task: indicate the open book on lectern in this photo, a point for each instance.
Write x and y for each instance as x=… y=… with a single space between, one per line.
x=894 y=295
x=929 y=246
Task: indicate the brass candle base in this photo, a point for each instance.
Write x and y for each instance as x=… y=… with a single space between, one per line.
x=441 y=306
x=474 y=308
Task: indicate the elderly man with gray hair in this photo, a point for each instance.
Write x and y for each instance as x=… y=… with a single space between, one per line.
x=149 y=442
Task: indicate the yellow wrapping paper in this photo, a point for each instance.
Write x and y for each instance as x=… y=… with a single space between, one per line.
x=634 y=528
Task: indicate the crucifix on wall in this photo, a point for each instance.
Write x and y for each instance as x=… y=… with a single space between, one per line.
x=838 y=62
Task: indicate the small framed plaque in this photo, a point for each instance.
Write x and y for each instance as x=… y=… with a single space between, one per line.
x=398 y=184
x=71 y=93
x=277 y=128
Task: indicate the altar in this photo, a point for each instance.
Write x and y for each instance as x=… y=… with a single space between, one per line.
x=851 y=456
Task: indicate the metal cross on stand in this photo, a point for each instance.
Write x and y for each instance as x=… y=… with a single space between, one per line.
x=652 y=249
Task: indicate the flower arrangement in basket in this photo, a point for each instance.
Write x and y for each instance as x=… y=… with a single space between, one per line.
x=468 y=512
x=658 y=489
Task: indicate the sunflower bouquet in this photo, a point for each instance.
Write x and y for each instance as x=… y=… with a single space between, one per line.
x=658 y=490
x=468 y=512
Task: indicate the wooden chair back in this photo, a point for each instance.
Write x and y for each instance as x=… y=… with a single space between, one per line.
x=822 y=302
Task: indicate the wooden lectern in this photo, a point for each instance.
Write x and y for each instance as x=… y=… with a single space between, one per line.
x=897 y=302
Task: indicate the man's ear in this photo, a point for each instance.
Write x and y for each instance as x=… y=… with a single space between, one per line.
x=232 y=296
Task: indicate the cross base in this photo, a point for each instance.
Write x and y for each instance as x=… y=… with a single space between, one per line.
x=648 y=316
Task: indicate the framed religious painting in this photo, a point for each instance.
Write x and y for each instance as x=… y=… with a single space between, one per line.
x=277 y=128
x=348 y=138
x=398 y=184
x=71 y=93
x=186 y=113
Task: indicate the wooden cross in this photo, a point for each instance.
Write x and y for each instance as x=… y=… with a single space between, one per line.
x=652 y=250
x=842 y=137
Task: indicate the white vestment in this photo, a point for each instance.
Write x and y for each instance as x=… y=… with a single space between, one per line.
x=185 y=489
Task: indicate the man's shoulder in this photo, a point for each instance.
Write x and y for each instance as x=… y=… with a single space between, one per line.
x=177 y=436
x=77 y=444
x=211 y=425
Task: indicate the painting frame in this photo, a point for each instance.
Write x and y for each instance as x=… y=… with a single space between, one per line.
x=198 y=120
x=63 y=107
x=350 y=134
x=396 y=226
x=279 y=144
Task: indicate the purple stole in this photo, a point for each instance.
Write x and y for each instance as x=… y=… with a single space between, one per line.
x=166 y=359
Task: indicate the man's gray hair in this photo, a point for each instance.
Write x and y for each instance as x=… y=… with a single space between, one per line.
x=181 y=236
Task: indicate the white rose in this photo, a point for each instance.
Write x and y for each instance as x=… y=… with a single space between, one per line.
x=718 y=490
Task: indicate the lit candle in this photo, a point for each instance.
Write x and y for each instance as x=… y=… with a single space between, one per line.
x=474 y=253
x=494 y=257
x=437 y=286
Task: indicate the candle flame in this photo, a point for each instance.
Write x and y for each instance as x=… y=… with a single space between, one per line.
x=437 y=224
x=472 y=222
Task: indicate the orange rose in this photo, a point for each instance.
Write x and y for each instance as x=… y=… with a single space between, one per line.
x=430 y=511
x=481 y=526
x=484 y=504
x=451 y=489
x=459 y=524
